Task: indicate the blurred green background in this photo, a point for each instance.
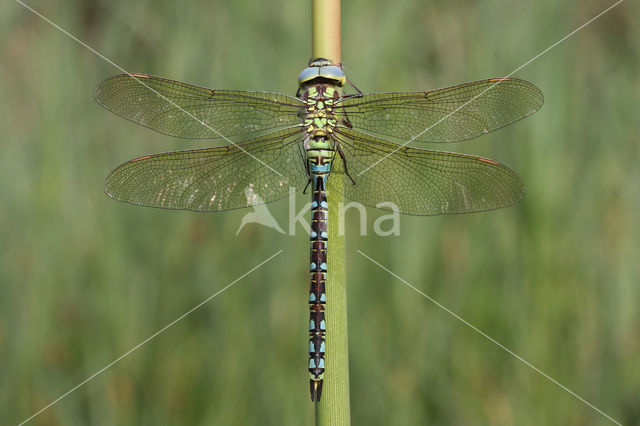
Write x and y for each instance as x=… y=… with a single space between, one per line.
x=84 y=278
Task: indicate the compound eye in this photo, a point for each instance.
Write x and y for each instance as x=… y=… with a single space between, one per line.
x=308 y=74
x=332 y=72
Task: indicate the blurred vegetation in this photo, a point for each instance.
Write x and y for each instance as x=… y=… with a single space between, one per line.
x=84 y=278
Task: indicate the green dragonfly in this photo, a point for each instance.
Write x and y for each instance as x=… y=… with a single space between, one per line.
x=274 y=142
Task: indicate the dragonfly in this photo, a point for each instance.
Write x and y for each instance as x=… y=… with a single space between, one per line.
x=321 y=138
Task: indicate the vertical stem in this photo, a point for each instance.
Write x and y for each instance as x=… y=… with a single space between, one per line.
x=325 y=27
x=333 y=408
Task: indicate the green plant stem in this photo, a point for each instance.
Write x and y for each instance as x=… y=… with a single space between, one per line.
x=333 y=408
x=325 y=24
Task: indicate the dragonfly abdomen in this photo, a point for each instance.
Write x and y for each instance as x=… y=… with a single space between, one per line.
x=319 y=161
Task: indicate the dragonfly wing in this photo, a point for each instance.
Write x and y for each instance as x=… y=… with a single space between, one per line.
x=419 y=181
x=214 y=179
x=188 y=111
x=445 y=115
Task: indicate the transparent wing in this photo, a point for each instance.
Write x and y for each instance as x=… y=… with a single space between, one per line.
x=419 y=181
x=180 y=109
x=213 y=179
x=445 y=115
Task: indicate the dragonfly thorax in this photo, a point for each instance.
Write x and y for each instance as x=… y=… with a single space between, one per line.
x=319 y=119
x=319 y=124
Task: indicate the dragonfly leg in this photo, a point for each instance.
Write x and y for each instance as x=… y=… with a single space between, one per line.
x=344 y=161
x=306 y=164
x=345 y=120
x=354 y=86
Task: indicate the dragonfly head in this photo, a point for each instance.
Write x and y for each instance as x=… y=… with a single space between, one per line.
x=321 y=70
